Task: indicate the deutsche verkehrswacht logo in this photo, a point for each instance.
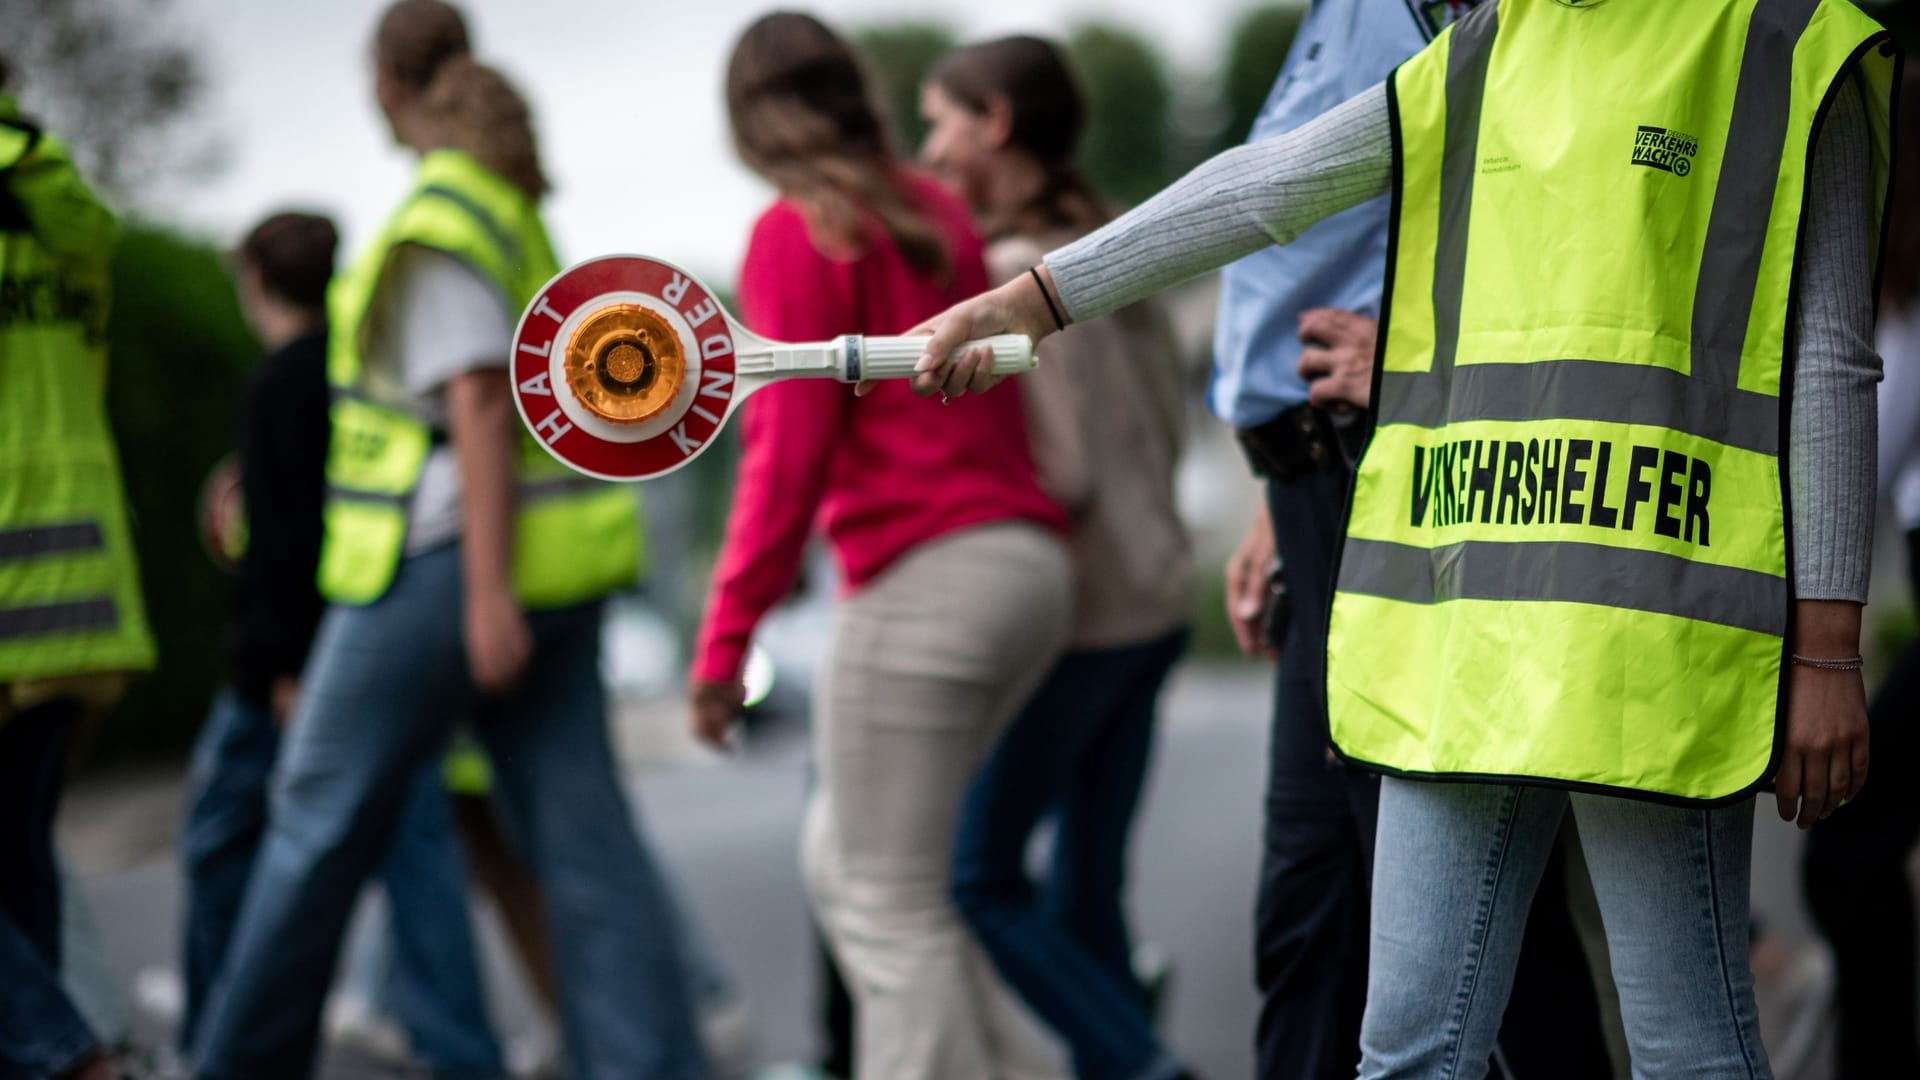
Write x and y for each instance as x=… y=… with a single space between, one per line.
x=1664 y=149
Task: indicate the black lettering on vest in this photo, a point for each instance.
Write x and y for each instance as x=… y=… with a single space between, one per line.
x=1600 y=513
x=1572 y=510
x=1533 y=482
x=1511 y=465
x=1699 y=490
x=1462 y=471
x=1673 y=466
x=1455 y=489
x=1486 y=455
x=1422 y=486
x=1550 y=457
x=1638 y=490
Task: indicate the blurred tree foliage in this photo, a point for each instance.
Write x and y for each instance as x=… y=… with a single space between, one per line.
x=1126 y=152
x=899 y=55
x=1256 y=50
x=181 y=354
x=118 y=84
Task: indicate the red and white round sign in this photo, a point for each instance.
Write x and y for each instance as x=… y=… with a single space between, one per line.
x=577 y=437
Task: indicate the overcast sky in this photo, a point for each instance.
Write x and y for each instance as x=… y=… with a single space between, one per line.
x=626 y=95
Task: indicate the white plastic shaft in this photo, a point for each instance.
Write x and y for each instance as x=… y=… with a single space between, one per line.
x=894 y=357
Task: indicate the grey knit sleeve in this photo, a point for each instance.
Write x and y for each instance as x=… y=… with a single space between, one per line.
x=1832 y=421
x=1238 y=202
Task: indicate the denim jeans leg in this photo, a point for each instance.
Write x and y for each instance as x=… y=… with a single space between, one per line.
x=1087 y=890
x=436 y=985
x=41 y=1033
x=378 y=696
x=1076 y=990
x=624 y=986
x=1455 y=869
x=1673 y=888
x=226 y=818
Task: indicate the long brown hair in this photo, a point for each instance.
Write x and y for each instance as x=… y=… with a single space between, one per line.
x=415 y=37
x=802 y=118
x=1900 y=274
x=1048 y=113
x=474 y=108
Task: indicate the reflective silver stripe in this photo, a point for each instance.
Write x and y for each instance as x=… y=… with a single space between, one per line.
x=66 y=618
x=1467 y=59
x=1743 y=196
x=501 y=238
x=347 y=494
x=1588 y=390
x=40 y=540
x=1567 y=572
x=559 y=487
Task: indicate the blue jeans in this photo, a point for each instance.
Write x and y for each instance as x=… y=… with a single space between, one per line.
x=41 y=1033
x=1079 y=746
x=1454 y=872
x=436 y=980
x=1310 y=920
x=382 y=689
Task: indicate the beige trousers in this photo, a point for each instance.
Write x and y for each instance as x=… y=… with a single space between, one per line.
x=928 y=662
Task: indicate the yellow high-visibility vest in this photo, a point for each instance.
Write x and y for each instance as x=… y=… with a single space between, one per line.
x=1568 y=555
x=575 y=539
x=70 y=600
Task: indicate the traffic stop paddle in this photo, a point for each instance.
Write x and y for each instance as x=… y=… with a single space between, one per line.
x=625 y=367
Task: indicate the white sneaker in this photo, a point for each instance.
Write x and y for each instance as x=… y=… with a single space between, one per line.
x=793 y=1070
x=726 y=1030
x=1805 y=992
x=351 y=1022
x=160 y=994
x=537 y=1053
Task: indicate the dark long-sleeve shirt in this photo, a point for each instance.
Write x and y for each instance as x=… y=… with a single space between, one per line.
x=283 y=460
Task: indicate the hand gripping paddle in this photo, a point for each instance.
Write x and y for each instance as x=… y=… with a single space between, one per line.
x=625 y=367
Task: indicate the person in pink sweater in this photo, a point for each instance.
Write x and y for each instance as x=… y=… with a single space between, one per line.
x=957 y=595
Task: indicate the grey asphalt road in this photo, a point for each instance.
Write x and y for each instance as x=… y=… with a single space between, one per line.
x=728 y=831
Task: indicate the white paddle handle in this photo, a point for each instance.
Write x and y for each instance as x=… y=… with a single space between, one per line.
x=894 y=357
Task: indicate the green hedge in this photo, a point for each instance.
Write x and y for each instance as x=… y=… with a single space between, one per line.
x=181 y=354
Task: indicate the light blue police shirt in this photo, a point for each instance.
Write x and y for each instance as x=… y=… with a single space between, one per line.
x=1343 y=47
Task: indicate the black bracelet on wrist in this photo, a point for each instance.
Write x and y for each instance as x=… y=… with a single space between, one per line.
x=1058 y=322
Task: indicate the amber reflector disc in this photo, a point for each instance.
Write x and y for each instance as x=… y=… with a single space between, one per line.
x=625 y=363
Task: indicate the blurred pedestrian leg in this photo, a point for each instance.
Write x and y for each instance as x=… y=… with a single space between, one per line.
x=509 y=881
x=433 y=987
x=928 y=661
x=33 y=748
x=385 y=685
x=41 y=1033
x=85 y=971
x=504 y=876
x=1081 y=744
x=437 y=989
